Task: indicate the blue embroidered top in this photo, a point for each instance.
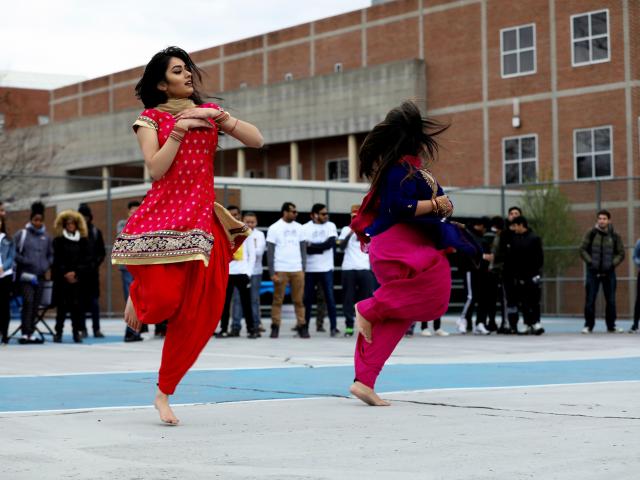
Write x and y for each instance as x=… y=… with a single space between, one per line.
x=399 y=198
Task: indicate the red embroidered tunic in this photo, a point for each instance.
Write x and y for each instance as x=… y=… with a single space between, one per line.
x=175 y=221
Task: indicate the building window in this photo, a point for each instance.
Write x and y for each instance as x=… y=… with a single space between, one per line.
x=43 y=119
x=593 y=153
x=243 y=84
x=590 y=38
x=1 y=122
x=518 y=48
x=288 y=77
x=337 y=68
x=520 y=159
x=338 y=170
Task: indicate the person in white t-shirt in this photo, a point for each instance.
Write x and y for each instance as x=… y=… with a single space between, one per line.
x=358 y=281
x=240 y=270
x=286 y=256
x=320 y=236
x=258 y=241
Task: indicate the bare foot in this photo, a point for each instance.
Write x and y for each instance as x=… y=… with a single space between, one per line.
x=162 y=405
x=367 y=395
x=364 y=326
x=130 y=316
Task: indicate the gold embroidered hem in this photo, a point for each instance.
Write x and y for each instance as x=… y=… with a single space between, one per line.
x=162 y=246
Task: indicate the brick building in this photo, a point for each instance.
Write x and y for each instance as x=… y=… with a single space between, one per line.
x=542 y=89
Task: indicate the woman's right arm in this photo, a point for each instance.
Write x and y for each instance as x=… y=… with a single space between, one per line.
x=158 y=160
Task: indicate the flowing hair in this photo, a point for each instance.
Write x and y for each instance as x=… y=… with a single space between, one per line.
x=155 y=72
x=404 y=131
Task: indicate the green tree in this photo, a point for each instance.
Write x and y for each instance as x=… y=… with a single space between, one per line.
x=548 y=211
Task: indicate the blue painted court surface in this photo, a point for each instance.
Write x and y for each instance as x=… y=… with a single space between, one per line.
x=61 y=392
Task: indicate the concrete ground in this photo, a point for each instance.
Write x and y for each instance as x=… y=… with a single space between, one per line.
x=558 y=406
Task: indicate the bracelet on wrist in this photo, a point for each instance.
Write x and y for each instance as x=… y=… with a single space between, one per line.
x=434 y=205
x=234 y=126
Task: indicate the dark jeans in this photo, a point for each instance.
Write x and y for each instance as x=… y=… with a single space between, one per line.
x=511 y=300
x=243 y=284
x=6 y=284
x=325 y=279
x=69 y=301
x=636 y=310
x=93 y=307
x=236 y=306
x=356 y=285
x=31 y=298
x=528 y=300
x=608 y=281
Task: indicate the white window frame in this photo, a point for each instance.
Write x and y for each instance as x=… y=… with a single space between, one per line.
x=337 y=67
x=326 y=170
x=3 y=121
x=519 y=50
x=593 y=152
x=519 y=161
x=589 y=38
x=288 y=77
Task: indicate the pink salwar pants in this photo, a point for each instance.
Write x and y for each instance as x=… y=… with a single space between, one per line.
x=415 y=284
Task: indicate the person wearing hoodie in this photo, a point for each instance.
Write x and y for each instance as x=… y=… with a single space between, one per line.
x=34 y=256
x=523 y=263
x=72 y=269
x=7 y=256
x=602 y=251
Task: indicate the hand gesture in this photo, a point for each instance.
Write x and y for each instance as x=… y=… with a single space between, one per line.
x=191 y=123
x=445 y=207
x=201 y=113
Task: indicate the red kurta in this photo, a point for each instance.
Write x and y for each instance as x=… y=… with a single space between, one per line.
x=178 y=251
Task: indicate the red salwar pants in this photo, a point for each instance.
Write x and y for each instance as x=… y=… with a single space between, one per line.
x=415 y=284
x=191 y=297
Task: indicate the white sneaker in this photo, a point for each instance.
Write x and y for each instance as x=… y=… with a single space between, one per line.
x=425 y=333
x=441 y=333
x=481 y=330
x=616 y=330
x=461 y=323
x=586 y=331
x=538 y=329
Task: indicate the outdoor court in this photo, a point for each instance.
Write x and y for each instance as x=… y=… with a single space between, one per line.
x=559 y=406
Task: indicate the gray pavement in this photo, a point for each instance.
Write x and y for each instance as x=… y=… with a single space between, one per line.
x=576 y=431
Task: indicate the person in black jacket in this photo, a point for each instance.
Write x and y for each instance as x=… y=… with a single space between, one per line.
x=602 y=251
x=91 y=287
x=523 y=264
x=502 y=244
x=71 y=268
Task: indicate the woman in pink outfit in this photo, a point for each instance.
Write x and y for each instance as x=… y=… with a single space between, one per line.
x=400 y=222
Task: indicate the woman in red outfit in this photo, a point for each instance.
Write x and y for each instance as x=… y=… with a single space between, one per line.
x=401 y=223
x=177 y=246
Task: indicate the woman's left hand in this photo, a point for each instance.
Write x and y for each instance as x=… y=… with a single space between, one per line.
x=202 y=113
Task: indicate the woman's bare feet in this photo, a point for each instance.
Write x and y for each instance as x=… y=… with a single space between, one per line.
x=364 y=326
x=162 y=405
x=130 y=316
x=367 y=395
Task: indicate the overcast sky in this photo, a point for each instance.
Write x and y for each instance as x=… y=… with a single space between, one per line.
x=92 y=38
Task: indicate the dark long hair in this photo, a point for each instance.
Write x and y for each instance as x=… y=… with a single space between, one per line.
x=404 y=131
x=155 y=72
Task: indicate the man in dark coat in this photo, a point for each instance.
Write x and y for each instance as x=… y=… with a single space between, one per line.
x=97 y=253
x=523 y=264
x=602 y=250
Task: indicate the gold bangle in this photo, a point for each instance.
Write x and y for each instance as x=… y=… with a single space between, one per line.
x=176 y=137
x=219 y=120
x=178 y=129
x=434 y=205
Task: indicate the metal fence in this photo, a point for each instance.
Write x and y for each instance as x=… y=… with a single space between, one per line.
x=563 y=290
